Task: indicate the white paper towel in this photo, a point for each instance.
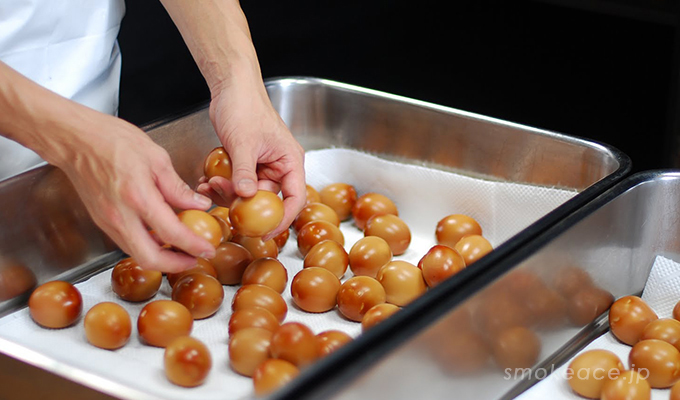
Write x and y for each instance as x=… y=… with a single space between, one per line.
x=423 y=196
x=661 y=292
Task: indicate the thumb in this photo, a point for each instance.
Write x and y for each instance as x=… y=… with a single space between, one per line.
x=178 y=194
x=243 y=176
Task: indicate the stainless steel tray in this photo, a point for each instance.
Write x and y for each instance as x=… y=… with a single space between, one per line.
x=44 y=226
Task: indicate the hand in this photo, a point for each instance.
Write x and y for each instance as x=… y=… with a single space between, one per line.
x=128 y=184
x=264 y=154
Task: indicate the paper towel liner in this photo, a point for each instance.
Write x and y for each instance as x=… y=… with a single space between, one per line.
x=661 y=292
x=422 y=195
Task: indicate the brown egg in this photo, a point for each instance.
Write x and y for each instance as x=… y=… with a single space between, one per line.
x=256 y=216
x=357 y=295
x=452 y=228
x=630 y=385
x=254 y=317
x=519 y=282
x=516 y=347
x=273 y=374
x=391 y=228
x=500 y=311
x=666 y=329
x=187 y=361
x=282 y=238
x=315 y=212
x=570 y=280
x=312 y=195
x=217 y=163
x=202 y=266
x=55 y=304
x=676 y=311
x=439 y=263
x=134 y=283
x=657 y=361
x=249 y=296
x=203 y=225
x=249 y=348
x=472 y=248
x=675 y=392
x=368 y=255
x=330 y=255
x=315 y=289
x=369 y=205
x=108 y=326
x=231 y=259
x=403 y=282
x=257 y=247
x=295 y=343
x=221 y=215
x=461 y=353
x=340 y=197
x=587 y=304
x=15 y=280
x=628 y=317
x=201 y=294
x=315 y=232
x=547 y=308
x=162 y=321
x=329 y=341
x=377 y=314
x=268 y=272
x=588 y=372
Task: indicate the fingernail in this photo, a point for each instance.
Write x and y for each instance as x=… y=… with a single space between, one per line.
x=247 y=185
x=202 y=200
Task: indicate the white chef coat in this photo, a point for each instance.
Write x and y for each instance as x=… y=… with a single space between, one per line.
x=67 y=46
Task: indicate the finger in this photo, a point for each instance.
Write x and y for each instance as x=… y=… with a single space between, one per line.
x=224 y=189
x=243 y=176
x=206 y=190
x=294 y=198
x=177 y=193
x=268 y=185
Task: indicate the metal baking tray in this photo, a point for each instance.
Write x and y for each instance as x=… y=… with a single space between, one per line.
x=615 y=239
x=44 y=226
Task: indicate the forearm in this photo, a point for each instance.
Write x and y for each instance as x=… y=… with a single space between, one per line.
x=217 y=34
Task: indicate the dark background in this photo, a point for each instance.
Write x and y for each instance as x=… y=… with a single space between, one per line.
x=599 y=69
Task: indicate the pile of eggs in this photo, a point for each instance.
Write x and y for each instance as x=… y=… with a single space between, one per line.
x=262 y=345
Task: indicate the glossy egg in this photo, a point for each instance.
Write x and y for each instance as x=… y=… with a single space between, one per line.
x=439 y=263
x=221 y=214
x=268 y=272
x=330 y=255
x=628 y=317
x=133 y=283
x=15 y=280
x=369 y=205
x=588 y=372
x=516 y=347
x=452 y=228
x=391 y=228
x=253 y=317
x=587 y=304
x=315 y=212
x=315 y=232
x=162 y=321
x=202 y=266
x=257 y=247
x=55 y=304
x=357 y=295
x=248 y=348
x=676 y=311
x=231 y=259
x=187 y=361
x=295 y=343
x=312 y=195
x=260 y=296
x=272 y=375
x=666 y=329
x=217 y=163
x=675 y=392
x=107 y=326
x=368 y=255
x=282 y=238
x=377 y=314
x=315 y=289
x=472 y=248
x=630 y=385
x=329 y=341
x=403 y=282
x=256 y=216
x=657 y=361
x=203 y=225
x=201 y=294
x=340 y=197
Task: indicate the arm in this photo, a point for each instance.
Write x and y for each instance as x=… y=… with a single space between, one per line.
x=263 y=152
x=125 y=180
